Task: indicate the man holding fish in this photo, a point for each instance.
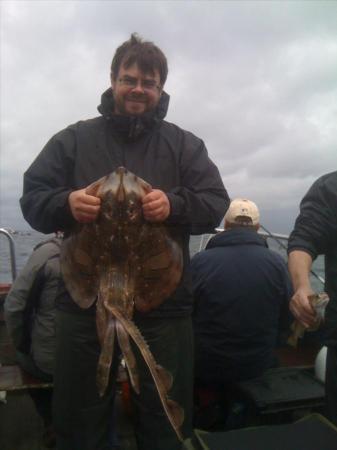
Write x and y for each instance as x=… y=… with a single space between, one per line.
x=187 y=196
x=315 y=233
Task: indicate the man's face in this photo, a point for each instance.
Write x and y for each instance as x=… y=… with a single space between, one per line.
x=135 y=92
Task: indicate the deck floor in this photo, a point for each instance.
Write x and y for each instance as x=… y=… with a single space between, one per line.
x=21 y=428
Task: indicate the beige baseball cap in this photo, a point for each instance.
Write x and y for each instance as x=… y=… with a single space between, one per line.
x=243 y=212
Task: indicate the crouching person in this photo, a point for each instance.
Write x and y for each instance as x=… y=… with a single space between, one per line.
x=29 y=315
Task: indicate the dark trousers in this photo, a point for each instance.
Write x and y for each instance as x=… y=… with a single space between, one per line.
x=171 y=343
x=42 y=398
x=81 y=417
x=331 y=384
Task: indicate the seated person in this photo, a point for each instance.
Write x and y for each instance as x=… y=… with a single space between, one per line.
x=242 y=291
x=29 y=314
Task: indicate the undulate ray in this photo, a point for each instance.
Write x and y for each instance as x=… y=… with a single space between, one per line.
x=123 y=262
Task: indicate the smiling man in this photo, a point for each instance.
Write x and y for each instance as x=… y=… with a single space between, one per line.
x=188 y=196
x=135 y=92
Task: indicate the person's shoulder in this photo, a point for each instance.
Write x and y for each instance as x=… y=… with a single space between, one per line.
x=324 y=190
x=326 y=181
x=275 y=257
x=197 y=257
x=174 y=130
x=331 y=176
x=94 y=123
x=47 y=248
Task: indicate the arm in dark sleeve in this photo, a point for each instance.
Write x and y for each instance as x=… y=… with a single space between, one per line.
x=315 y=227
x=47 y=185
x=202 y=200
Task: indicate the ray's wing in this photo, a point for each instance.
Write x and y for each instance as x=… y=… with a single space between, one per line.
x=161 y=265
x=79 y=254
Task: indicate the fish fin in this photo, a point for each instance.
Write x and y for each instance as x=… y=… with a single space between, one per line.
x=161 y=268
x=297 y=332
x=292 y=341
x=101 y=320
x=129 y=357
x=105 y=358
x=94 y=187
x=176 y=412
x=78 y=266
x=165 y=377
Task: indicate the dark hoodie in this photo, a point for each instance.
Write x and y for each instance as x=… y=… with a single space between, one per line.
x=241 y=291
x=167 y=157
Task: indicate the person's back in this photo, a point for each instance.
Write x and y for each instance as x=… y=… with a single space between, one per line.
x=241 y=291
x=30 y=305
x=30 y=316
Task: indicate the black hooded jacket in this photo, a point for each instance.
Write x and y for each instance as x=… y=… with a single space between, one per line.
x=315 y=232
x=242 y=291
x=164 y=155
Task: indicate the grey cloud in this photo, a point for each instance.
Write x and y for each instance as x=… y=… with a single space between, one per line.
x=255 y=80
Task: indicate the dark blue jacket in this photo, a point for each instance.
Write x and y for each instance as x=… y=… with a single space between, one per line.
x=241 y=290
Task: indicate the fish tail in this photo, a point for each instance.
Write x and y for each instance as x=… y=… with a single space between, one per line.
x=105 y=358
x=165 y=377
x=129 y=357
x=177 y=416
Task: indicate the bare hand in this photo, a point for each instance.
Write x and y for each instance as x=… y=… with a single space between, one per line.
x=156 y=206
x=301 y=307
x=84 y=207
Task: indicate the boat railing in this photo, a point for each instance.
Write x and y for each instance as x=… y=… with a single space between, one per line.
x=11 y=251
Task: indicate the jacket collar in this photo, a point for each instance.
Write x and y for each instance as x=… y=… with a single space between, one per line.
x=132 y=127
x=236 y=236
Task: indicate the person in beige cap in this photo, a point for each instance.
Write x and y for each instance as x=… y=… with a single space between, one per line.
x=242 y=291
x=242 y=212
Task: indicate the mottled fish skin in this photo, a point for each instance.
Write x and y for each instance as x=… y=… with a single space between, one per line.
x=124 y=262
x=318 y=302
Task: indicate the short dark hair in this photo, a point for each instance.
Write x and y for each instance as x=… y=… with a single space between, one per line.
x=144 y=53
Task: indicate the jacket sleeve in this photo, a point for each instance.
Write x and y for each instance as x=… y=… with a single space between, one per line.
x=315 y=227
x=17 y=298
x=201 y=200
x=47 y=184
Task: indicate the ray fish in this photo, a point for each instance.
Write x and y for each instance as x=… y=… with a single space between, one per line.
x=122 y=262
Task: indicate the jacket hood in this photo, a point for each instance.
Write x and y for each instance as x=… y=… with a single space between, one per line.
x=236 y=236
x=131 y=127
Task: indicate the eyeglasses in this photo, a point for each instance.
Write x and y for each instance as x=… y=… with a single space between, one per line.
x=132 y=83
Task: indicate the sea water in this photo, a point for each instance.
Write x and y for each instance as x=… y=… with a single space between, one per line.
x=25 y=241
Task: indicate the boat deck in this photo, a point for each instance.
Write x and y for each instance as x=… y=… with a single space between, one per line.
x=21 y=428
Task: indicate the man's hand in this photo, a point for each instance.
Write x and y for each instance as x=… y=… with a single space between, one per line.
x=156 y=206
x=84 y=207
x=301 y=307
x=299 y=263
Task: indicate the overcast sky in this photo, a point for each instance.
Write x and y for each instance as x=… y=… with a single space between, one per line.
x=256 y=80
